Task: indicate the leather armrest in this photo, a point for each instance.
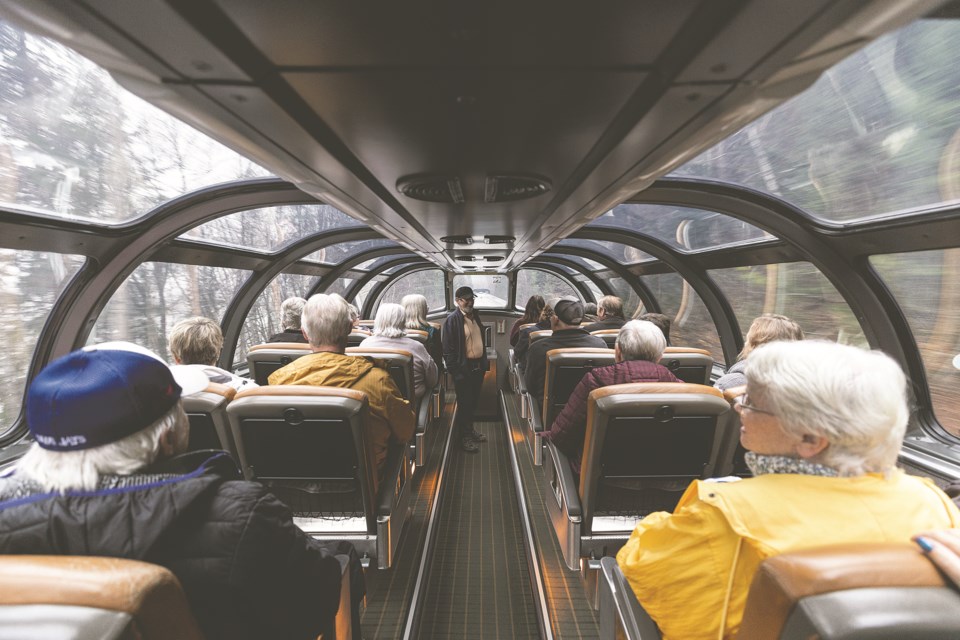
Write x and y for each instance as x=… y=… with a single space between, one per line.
x=568 y=482
x=423 y=411
x=535 y=419
x=633 y=618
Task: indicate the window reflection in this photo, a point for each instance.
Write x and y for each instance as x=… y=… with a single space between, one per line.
x=337 y=253
x=681 y=227
x=271 y=228
x=428 y=283
x=30 y=283
x=926 y=285
x=535 y=282
x=620 y=252
x=264 y=318
x=692 y=325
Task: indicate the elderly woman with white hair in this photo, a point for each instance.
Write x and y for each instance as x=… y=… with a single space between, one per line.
x=637 y=352
x=291 y=310
x=415 y=306
x=388 y=334
x=823 y=424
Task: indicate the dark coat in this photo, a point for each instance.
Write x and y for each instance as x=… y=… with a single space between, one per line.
x=455 y=344
x=610 y=322
x=570 y=426
x=247 y=570
x=291 y=335
x=523 y=341
x=536 y=369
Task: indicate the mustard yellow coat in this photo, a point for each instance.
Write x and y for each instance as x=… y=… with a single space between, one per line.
x=391 y=417
x=682 y=566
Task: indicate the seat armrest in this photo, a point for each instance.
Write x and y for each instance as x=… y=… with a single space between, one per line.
x=423 y=411
x=536 y=422
x=619 y=607
x=392 y=472
x=521 y=383
x=570 y=492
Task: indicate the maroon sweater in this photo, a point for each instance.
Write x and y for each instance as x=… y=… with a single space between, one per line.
x=570 y=426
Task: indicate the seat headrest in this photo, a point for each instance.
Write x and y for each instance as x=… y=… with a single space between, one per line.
x=686 y=350
x=654 y=387
x=573 y=351
x=282 y=346
x=377 y=351
x=783 y=580
x=301 y=390
x=223 y=390
x=733 y=393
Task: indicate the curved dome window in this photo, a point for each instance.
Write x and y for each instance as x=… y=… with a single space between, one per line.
x=877 y=133
x=270 y=229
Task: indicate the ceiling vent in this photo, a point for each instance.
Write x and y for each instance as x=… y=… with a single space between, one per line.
x=498 y=239
x=466 y=258
x=457 y=239
x=495 y=258
x=507 y=188
x=432 y=188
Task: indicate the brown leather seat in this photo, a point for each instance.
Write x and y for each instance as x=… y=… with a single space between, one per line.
x=688 y=363
x=141 y=600
x=264 y=359
x=609 y=336
x=209 y=426
x=850 y=591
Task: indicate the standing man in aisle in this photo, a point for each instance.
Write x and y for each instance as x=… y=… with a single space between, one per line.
x=465 y=357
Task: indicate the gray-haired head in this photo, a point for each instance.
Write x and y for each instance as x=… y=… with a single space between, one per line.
x=854 y=398
x=641 y=340
x=290 y=311
x=326 y=320
x=612 y=306
x=390 y=321
x=415 y=306
x=196 y=340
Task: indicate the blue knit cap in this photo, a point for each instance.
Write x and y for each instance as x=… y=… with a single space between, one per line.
x=102 y=394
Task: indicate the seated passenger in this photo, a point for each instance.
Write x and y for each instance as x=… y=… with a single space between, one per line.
x=415 y=306
x=567 y=314
x=388 y=334
x=523 y=336
x=196 y=343
x=638 y=350
x=531 y=314
x=609 y=315
x=823 y=424
x=327 y=323
x=290 y=311
x=767 y=328
x=662 y=322
x=355 y=326
x=97 y=481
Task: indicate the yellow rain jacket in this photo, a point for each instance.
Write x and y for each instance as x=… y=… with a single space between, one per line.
x=691 y=570
x=391 y=417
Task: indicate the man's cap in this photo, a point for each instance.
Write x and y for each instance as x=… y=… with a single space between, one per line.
x=101 y=394
x=568 y=310
x=464 y=292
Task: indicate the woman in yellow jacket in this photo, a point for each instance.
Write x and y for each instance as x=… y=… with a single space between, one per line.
x=823 y=424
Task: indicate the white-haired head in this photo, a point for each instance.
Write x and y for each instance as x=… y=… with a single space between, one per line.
x=291 y=310
x=326 y=320
x=641 y=340
x=415 y=306
x=390 y=321
x=853 y=398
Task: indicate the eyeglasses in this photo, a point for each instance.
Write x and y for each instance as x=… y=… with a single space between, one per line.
x=744 y=403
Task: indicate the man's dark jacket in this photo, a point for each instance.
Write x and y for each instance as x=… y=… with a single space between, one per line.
x=247 y=570
x=290 y=335
x=455 y=343
x=536 y=370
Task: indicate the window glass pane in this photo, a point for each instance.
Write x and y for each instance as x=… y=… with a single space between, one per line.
x=797 y=290
x=264 y=319
x=585 y=263
x=594 y=289
x=77 y=145
x=361 y=298
x=428 y=283
x=691 y=325
x=682 y=228
x=270 y=228
x=491 y=290
x=535 y=282
x=620 y=252
x=337 y=253
x=157 y=295
x=30 y=282
x=631 y=301
x=876 y=133
x=927 y=287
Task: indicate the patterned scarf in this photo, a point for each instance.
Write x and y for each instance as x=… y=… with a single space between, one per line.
x=761 y=464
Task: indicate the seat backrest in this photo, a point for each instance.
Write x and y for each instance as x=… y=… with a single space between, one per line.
x=851 y=591
x=397 y=362
x=689 y=364
x=736 y=456
x=609 y=336
x=564 y=371
x=537 y=335
x=309 y=445
x=209 y=426
x=356 y=337
x=106 y=597
x=645 y=442
x=264 y=359
x=417 y=334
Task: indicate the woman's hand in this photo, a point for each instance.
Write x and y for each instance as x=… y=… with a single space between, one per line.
x=943 y=548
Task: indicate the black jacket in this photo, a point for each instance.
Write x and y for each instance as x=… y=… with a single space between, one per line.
x=247 y=570
x=610 y=322
x=290 y=335
x=454 y=343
